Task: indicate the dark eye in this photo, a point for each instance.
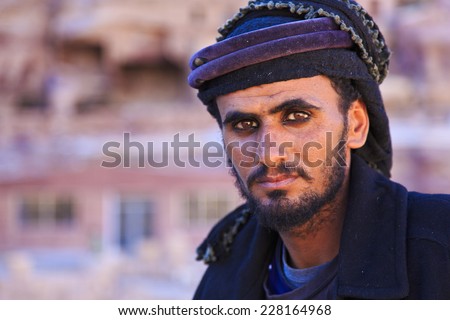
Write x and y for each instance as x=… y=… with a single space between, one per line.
x=246 y=125
x=297 y=116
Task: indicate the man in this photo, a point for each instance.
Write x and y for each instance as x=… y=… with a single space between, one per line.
x=294 y=86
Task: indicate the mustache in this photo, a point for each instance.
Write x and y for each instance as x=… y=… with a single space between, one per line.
x=284 y=168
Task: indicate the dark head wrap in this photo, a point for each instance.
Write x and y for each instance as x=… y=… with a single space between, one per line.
x=271 y=41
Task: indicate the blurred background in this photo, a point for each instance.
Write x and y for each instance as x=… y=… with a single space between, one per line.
x=76 y=74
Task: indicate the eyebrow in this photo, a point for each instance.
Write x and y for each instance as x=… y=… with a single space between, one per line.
x=236 y=115
x=298 y=103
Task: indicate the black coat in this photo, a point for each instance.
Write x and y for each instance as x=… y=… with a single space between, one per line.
x=394 y=245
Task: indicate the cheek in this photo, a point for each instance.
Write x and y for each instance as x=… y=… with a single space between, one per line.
x=329 y=148
x=309 y=145
x=313 y=146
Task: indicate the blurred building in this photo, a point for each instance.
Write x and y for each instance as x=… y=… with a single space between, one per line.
x=416 y=91
x=77 y=75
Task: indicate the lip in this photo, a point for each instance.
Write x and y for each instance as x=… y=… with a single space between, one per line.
x=276 y=182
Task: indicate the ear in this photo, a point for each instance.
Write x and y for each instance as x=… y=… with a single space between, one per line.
x=358 y=124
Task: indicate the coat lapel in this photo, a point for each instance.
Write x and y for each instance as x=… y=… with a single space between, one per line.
x=373 y=243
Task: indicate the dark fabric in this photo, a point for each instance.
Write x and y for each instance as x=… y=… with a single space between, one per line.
x=274 y=31
x=395 y=245
x=276 y=282
x=350 y=16
x=265 y=44
x=267 y=52
x=430 y=238
x=260 y=20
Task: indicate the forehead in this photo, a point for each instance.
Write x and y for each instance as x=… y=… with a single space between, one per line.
x=317 y=91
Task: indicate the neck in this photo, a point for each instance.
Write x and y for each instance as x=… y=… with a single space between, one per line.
x=318 y=241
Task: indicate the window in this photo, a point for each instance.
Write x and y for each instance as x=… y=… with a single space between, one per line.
x=46 y=211
x=82 y=54
x=32 y=100
x=155 y=81
x=135 y=222
x=207 y=207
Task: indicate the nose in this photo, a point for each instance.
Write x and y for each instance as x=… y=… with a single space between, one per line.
x=272 y=147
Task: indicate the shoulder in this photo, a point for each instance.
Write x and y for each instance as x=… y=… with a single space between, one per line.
x=238 y=251
x=221 y=237
x=428 y=246
x=429 y=217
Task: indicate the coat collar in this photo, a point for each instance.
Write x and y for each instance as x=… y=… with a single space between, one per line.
x=373 y=246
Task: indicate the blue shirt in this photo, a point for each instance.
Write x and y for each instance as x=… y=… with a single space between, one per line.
x=285 y=282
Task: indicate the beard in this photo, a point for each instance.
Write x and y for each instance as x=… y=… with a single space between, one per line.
x=282 y=214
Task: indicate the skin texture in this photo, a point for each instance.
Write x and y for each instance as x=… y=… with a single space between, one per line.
x=289 y=124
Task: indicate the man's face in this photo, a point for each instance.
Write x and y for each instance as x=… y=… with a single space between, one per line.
x=286 y=143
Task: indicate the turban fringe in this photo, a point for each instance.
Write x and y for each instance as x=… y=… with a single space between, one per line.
x=214 y=75
x=348 y=15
